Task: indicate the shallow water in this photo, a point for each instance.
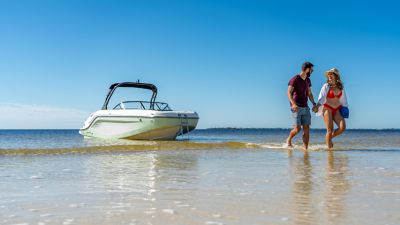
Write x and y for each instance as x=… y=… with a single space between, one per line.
x=70 y=141
x=217 y=177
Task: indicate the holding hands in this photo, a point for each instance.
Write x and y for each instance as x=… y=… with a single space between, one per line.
x=315 y=108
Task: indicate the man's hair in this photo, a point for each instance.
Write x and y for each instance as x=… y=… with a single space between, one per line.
x=306 y=65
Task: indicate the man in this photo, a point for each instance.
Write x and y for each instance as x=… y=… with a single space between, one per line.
x=299 y=91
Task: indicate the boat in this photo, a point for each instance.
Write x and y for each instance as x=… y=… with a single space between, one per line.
x=138 y=120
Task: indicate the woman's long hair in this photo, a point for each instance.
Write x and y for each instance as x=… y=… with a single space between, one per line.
x=339 y=83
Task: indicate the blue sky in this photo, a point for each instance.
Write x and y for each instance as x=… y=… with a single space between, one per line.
x=228 y=60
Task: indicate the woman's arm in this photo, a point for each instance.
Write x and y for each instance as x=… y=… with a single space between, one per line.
x=322 y=94
x=322 y=98
x=343 y=99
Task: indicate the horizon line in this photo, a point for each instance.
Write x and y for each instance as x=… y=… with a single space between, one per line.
x=212 y=128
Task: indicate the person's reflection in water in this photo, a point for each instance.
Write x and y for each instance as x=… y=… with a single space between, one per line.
x=302 y=190
x=336 y=187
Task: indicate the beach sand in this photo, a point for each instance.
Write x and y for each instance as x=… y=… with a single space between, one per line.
x=202 y=186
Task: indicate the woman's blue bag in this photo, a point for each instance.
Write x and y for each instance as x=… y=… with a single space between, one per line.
x=344 y=111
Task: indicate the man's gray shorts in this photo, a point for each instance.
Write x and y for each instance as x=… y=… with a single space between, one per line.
x=302 y=116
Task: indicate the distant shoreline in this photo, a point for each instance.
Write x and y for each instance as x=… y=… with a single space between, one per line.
x=213 y=128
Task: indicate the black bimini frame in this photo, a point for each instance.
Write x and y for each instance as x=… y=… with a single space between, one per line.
x=114 y=86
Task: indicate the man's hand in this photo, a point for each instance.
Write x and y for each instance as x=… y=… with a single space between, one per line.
x=295 y=108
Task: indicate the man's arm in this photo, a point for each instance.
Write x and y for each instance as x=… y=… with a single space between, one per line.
x=291 y=100
x=311 y=97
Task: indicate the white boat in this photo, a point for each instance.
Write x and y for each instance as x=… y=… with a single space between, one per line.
x=138 y=120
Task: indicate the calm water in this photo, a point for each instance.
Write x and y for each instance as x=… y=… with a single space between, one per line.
x=217 y=176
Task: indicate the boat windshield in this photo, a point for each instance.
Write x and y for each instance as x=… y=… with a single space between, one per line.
x=143 y=105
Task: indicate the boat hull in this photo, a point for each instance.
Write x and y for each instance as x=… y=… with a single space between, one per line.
x=139 y=124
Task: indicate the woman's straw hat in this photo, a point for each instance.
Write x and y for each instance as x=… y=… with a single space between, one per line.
x=333 y=70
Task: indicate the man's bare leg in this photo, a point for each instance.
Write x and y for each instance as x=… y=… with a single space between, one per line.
x=293 y=132
x=306 y=136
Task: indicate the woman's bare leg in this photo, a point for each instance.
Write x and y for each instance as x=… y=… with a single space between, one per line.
x=329 y=128
x=341 y=124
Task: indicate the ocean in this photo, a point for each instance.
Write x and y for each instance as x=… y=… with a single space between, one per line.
x=211 y=176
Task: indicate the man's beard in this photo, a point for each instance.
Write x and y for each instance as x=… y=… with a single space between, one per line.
x=308 y=74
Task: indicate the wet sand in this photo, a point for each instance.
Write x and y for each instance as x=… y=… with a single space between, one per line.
x=202 y=186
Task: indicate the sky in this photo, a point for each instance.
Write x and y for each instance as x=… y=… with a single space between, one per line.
x=229 y=61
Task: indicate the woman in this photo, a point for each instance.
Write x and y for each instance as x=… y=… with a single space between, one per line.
x=331 y=99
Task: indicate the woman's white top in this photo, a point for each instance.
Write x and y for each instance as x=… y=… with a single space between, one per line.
x=322 y=98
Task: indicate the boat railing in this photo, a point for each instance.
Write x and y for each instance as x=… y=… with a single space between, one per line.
x=144 y=105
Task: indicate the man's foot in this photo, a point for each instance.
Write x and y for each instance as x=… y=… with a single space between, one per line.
x=288 y=144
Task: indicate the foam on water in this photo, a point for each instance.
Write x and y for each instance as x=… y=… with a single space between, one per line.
x=184 y=145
